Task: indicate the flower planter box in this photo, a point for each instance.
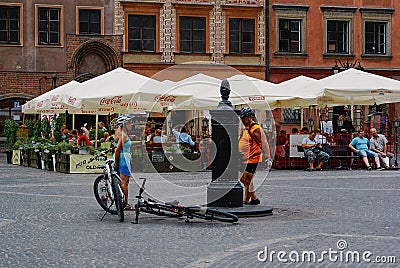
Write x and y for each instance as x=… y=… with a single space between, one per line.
x=9 y=157
x=63 y=168
x=48 y=160
x=26 y=157
x=62 y=162
x=36 y=160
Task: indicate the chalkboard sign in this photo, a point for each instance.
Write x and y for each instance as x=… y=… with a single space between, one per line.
x=157 y=157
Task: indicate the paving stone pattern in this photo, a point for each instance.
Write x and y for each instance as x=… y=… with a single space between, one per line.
x=50 y=219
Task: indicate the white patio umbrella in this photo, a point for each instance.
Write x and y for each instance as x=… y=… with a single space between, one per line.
x=198 y=92
x=48 y=102
x=111 y=92
x=203 y=92
x=355 y=87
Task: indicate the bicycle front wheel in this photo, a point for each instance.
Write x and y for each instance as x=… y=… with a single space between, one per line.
x=102 y=194
x=211 y=214
x=119 y=198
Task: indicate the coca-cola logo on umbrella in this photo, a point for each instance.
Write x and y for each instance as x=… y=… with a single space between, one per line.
x=54 y=98
x=113 y=100
x=71 y=100
x=168 y=98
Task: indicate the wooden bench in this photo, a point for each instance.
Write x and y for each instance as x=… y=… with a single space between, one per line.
x=341 y=153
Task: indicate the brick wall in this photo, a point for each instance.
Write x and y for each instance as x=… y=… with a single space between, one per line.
x=29 y=83
x=74 y=42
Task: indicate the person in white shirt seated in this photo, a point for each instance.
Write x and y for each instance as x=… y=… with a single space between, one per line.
x=158 y=138
x=313 y=151
x=182 y=137
x=324 y=139
x=326 y=126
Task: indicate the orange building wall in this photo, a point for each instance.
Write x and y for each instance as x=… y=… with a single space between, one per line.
x=315 y=65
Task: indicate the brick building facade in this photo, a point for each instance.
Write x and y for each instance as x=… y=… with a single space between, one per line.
x=44 y=44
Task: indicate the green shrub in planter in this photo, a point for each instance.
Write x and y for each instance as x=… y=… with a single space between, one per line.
x=92 y=134
x=10 y=131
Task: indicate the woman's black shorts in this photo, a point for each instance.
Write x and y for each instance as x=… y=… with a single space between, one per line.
x=251 y=167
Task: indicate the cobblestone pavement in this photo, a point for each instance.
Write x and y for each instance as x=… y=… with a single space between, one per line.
x=50 y=219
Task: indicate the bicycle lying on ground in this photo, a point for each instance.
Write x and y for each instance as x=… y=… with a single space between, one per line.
x=175 y=210
x=107 y=189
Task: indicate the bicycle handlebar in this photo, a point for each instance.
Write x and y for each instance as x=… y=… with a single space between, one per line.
x=104 y=152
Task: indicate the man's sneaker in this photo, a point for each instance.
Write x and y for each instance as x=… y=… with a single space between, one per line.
x=369 y=168
x=254 y=202
x=380 y=168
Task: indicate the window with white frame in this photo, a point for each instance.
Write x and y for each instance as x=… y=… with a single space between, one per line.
x=338 y=30
x=377 y=24
x=291 y=23
x=337 y=36
x=375 y=37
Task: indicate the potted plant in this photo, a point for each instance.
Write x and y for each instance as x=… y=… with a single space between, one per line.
x=49 y=149
x=10 y=131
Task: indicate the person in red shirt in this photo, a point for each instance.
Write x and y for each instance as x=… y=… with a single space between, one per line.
x=83 y=140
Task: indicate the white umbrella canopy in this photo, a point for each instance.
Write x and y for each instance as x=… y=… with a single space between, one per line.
x=262 y=94
x=290 y=93
x=111 y=92
x=199 y=91
x=49 y=101
x=195 y=92
x=203 y=92
x=354 y=87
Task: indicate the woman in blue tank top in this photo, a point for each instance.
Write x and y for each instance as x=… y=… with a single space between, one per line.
x=122 y=155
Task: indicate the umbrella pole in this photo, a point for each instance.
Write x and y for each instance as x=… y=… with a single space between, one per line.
x=73 y=121
x=97 y=127
x=301 y=117
x=351 y=109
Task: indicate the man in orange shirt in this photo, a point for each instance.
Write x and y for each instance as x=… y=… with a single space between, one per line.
x=251 y=143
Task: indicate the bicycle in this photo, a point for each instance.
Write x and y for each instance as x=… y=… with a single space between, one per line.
x=176 y=210
x=107 y=189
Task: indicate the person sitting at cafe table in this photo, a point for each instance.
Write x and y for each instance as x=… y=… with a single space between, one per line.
x=65 y=134
x=304 y=130
x=83 y=140
x=183 y=137
x=326 y=125
x=360 y=145
x=347 y=124
x=158 y=138
x=73 y=137
x=324 y=139
x=150 y=136
x=378 y=144
x=313 y=151
x=105 y=136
